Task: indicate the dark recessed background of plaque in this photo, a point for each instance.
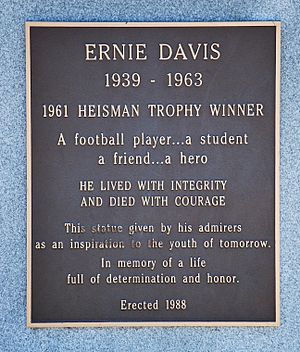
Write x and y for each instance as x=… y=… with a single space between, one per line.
x=60 y=75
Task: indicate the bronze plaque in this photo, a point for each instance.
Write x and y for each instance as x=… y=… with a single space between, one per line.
x=153 y=174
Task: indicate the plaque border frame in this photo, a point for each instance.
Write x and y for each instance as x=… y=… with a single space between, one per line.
x=276 y=323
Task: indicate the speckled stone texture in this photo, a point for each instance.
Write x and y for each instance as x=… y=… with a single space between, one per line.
x=14 y=336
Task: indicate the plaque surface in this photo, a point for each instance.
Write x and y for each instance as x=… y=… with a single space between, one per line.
x=153 y=174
